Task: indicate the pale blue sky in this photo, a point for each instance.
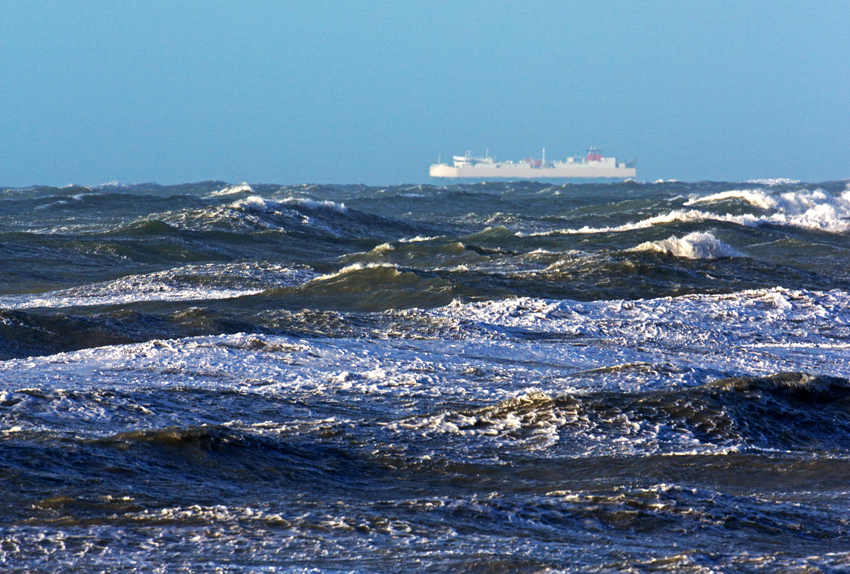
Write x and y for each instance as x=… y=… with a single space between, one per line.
x=371 y=92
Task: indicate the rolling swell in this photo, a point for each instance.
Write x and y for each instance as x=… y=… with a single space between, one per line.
x=174 y=467
x=783 y=413
x=293 y=216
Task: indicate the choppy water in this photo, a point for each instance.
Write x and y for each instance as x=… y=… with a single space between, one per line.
x=511 y=377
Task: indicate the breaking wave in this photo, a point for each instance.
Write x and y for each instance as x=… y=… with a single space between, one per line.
x=188 y=283
x=755 y=197
x=815 y=210
x=233 y=190
x=696 y=245
x=256 y=202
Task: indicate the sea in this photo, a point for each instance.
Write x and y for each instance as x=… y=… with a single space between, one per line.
x=513 y=377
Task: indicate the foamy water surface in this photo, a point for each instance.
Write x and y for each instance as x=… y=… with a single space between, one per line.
x=512 y=377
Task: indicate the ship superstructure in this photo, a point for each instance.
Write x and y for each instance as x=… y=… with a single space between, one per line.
x=592 y=165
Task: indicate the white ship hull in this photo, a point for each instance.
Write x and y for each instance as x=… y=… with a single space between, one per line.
x=591 y=166
x=578 y=171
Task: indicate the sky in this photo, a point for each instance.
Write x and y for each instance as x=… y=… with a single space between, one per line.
x=373 y=92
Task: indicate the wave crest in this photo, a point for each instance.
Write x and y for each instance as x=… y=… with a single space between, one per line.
x=255 y=202
x=801 y=385
x=754 y=197
x=697 y=245
x=233 y=190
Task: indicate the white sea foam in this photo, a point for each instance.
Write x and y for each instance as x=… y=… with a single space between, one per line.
x=252 y=363
x=233 y=190
x=755 y=197
x=189 y=283
x=697 y=245
x=253 y=213
x=313 y=204
x=254 y=202
x=353 y=268
x=816 y=210
x=775 y=181
x=714 y=332
x=110 y=185
x=262 y=204
x=666 y=341
x=510 y=387
x=530 y=419
x=419 y=238
x=677 y=215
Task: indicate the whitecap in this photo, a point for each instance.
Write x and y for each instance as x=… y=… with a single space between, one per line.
x=815 y=210
x=112 y=184
x=754 y=197
x=692 y=332
x=419 y=238
x=233 y=190
x=254 y=202
x=353 y=268
x=775 y=181
x=809 y=209
x=188 y=283
x=697 y=245
x=313 y=204
x=677 y=215
x=258 y=203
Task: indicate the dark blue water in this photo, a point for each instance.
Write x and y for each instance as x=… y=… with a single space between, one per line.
x=512 y=377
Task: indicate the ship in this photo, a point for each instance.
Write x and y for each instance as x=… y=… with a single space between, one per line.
x=592 y=165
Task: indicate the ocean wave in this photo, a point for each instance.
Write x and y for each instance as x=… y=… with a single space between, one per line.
x=418 y=239
x=476 y=399
x=250 y=363
x=111 y=185
x=674 y=216
x=672 y=375
x=233 y=190
x=714 y=332
x=64 y=200
x=257 y=214
x=255 y=202
x=356 y=267
x=818 y=388
x=531 y=419
x=291 y=215
x=376 y=287
x=699 y=420
x=774 y=305
x=696 y=245
x=188 y=283
x=696 y=337
x=814 y=210
x=775 y=181
x=755 y=197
